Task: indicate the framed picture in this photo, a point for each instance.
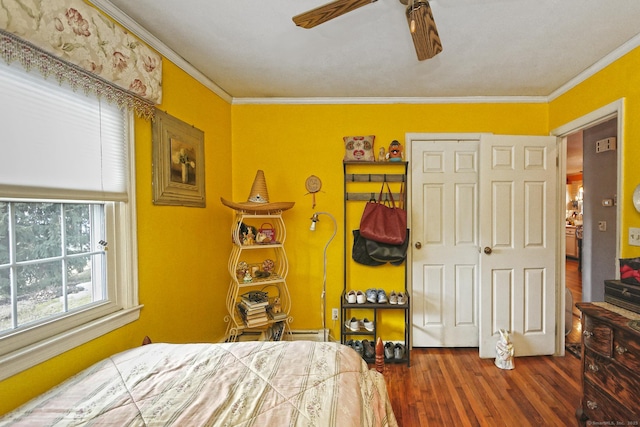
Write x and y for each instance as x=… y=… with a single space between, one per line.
x=178 y=162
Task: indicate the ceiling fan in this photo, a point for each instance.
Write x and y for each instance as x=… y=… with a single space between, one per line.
x=419 y=17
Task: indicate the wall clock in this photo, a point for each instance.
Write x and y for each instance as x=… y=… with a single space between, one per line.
x=313 y=185
x=636 y=198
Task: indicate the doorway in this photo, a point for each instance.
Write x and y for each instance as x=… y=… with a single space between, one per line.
x=601 y=216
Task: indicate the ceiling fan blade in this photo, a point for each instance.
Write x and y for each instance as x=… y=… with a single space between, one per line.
x=425 y=36
x=327 y=12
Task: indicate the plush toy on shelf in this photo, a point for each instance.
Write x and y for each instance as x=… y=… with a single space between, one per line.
x=395 y=151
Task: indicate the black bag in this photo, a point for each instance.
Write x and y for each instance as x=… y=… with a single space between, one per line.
x=384 y=252
x=359 y=252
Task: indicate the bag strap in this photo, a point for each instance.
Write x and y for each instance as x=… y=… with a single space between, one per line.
x=388 y=196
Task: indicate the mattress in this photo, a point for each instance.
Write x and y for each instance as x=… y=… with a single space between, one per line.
x=298 y=383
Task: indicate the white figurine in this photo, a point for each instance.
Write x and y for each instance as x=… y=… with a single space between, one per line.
x=381 y=155
x=504 y=351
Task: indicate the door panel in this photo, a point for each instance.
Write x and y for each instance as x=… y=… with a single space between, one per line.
x=518 y=175
x=445 y=222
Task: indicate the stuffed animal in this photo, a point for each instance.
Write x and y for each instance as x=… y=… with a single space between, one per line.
x=276 y=307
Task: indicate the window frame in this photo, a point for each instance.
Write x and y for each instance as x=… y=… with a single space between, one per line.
x=25 y=349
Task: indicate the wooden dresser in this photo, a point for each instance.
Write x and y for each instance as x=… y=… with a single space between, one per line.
x=610 y=366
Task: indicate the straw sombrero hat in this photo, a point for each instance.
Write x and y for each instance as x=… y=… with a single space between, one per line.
x=258 y=198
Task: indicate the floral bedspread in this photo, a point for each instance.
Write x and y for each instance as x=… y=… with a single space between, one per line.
x=299 y=383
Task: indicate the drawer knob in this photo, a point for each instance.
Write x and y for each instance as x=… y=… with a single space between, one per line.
x=592 y=405
x=587 y=334
x=620 y=349
x=593 y=368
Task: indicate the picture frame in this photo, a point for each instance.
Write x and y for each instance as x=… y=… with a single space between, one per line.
x=178 y=162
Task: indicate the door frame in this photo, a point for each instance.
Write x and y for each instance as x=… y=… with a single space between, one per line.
x=600 y=115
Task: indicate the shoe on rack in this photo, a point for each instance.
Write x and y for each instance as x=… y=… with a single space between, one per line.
x=354 y=324
x=349 y=343
x=351 y=297
x=372 y=296
x=382 y=296
x=361 y=298
x=388 y=350
x=357 y=346
x=402 y=298
x=369 y=351
x=368 y=324
x=398 y=351
x=393 y=298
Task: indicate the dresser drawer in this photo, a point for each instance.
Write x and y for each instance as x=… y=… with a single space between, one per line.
x=626 y=350
x=620 y=384
x=597 y=336
x=599 y=408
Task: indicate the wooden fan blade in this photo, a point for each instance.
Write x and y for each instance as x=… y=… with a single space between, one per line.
x=425 y=37
x=328 y=11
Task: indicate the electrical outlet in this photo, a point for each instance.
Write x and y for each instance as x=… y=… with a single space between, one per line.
x=634 y=236
x=334 y=314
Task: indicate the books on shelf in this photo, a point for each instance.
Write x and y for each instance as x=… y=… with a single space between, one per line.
x=278 y=317
x=256 y=316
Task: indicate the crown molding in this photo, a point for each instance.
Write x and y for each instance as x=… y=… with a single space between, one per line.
x=392 y=100
x=126 y=21
x=609 y=59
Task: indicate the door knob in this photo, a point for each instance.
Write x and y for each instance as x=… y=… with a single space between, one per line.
x=487 y=250
x=418 y=245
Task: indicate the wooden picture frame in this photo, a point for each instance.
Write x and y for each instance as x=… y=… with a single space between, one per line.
x=178 y=162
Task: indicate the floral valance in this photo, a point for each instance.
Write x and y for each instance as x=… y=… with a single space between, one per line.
x=53 y=34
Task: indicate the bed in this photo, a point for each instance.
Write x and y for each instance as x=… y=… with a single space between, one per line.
x=286 y=383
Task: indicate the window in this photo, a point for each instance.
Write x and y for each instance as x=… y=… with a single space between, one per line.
x=68 y=269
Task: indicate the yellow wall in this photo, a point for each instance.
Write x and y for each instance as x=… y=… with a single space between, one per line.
x=181 y=251
x=620 y=80
x=291 y=142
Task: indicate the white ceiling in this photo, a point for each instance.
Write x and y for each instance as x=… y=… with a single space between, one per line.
x=491 y=48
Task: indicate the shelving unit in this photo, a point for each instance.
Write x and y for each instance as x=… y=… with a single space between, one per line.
x=254 y=255
x=357 y=180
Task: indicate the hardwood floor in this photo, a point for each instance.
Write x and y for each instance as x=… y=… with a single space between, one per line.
x=573 y=280
x=454 y=387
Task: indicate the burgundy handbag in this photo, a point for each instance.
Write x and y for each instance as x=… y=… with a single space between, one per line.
x=383 y=223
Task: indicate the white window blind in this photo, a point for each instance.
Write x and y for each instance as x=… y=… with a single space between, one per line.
x=56 y=144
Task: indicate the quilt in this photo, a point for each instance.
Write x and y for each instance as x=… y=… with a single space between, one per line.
x=286 y=383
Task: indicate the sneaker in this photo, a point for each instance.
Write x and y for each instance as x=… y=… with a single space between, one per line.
x=357 y=346
x=368 y=324
x=361 y=298
x=372 y=296
x=388 y=350
x=369 y=351
x=393 y=298
x=354 y=324
x=402 y=298
x=398 y=351
x=351 y=297
x=382 y=296
x=349 y=343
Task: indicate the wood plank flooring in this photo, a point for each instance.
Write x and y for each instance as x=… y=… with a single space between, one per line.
x=454 y=387
x=573 y=280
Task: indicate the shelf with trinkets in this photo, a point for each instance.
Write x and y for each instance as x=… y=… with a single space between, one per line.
x=258 y=301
